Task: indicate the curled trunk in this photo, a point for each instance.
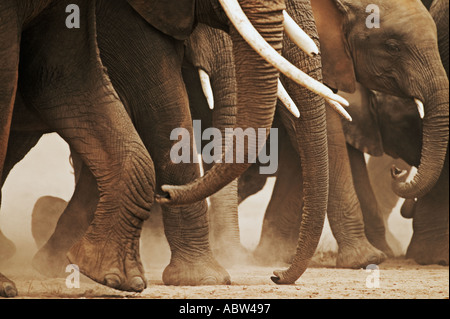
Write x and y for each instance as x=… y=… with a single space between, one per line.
x=309 y=137
x=434 y=139
x=257 y=94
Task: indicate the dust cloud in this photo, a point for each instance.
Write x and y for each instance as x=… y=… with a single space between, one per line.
x=46 y=171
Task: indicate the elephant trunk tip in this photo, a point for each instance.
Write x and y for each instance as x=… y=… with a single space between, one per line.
x=398 y=174
x=288 y=276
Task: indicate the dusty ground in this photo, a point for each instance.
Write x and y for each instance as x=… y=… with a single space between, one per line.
x=46 y=171
x=398 y=278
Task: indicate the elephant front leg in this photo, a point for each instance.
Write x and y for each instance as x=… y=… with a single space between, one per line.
x=224 y=225
x=429 y=243
x=66 y=83
x=282 y=218
x=344 y=210
x=187 y=226
x=374 y=226
x=7 y=287
x=72 y=221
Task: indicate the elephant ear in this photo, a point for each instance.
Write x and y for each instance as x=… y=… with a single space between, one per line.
x=337 y=63
x=363 y=133
x=172 y=17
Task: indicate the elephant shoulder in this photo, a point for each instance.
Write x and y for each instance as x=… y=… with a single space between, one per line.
x=172 y=17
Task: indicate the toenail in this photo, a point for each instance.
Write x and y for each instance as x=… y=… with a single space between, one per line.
x=210 y=280
x=112 y=281
x=137 y=284
x=9 y=289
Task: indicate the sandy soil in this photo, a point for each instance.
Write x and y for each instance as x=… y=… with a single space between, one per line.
x=46 y=171
x=398 y=278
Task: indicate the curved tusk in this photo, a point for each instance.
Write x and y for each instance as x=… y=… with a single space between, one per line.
x=234 y=12
x=298 y=36
x=287 y=100
x=206 y=87
x=420 y=108
x=341 y=111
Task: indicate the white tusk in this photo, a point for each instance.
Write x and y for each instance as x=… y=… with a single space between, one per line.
x=257 y=42
x=341 y=111
x=298 y=36
x=420 y=108
x=206 y=87
x=287 y=101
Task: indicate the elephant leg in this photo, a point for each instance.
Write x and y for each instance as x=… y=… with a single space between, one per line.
x=223 y=208
x=224 y=223
x=72 y=220
x=158 y=103
x=344 y=210
x=67 y=84
x=378 y=169
x=374 y=226
x=19 y=145
x=44 y=217
x=9 y=61
x=186 y=227
x=282 y=218
x=429 y=243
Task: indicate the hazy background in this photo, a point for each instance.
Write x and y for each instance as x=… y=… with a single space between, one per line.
x=46 y=171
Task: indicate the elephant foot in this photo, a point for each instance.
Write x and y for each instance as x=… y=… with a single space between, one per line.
x=50 y=263
x=7 y=287
x=428 y=252
x=7 y=248
x=112 y=258
x=359 y=256
x=201 y=272
x=379 y=241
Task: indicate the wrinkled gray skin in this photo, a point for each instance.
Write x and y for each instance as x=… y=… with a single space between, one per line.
x=368 y=59
x=104 y=137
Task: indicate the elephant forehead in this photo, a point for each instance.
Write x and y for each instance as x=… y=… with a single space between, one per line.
x=172 y=17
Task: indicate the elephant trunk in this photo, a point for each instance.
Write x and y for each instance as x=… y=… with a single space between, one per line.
x=309 y=137
x=257 y=94
x=434 y=140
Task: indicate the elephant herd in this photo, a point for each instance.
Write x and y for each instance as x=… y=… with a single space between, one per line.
x=116 y=86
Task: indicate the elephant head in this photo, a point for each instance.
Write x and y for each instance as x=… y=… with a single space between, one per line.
x=384 y=123
x=392 y=58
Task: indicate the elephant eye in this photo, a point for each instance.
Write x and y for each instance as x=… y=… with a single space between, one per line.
x=392 y=46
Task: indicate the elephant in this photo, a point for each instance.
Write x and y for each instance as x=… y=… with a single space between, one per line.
x=393 y=127
x=388 y=122
x=63 y=81
x=169 y=27
x=356 y=53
